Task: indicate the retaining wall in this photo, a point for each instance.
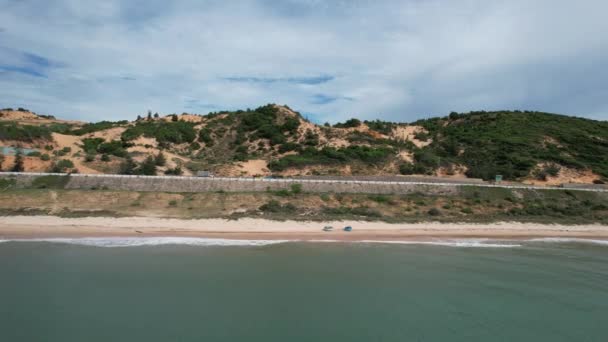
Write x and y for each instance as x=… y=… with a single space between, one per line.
x=213 y=184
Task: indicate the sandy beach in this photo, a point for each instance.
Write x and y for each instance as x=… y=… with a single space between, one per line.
x=23 y=227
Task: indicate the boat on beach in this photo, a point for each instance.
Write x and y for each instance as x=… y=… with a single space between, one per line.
x=328 y=228
x=348 y=229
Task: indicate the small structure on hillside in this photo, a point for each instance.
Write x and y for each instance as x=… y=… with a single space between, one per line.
x=204 y=174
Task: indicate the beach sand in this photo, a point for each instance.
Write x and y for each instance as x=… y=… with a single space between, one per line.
x=23 y=227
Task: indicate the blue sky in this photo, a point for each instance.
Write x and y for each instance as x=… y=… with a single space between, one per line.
x=388 y=59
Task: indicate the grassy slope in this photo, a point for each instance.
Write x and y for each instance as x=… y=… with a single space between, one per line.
x=470 y=205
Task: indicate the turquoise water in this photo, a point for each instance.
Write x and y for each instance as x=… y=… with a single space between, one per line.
x=303 y=292
x=8 y=151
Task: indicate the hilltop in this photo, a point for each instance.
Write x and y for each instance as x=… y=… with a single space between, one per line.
x=275 y=140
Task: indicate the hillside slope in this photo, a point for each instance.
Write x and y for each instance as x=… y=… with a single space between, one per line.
x=525 y=146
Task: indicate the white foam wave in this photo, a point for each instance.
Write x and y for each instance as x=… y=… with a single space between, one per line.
x=571 y=240
x=451 y=243
x=152 y=241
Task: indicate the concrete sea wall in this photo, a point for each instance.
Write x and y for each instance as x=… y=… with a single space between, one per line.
x=214 y=184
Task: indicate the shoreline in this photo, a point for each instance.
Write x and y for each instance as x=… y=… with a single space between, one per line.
x=36 y=227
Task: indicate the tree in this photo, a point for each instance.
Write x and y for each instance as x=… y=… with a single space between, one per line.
x=174 y=118
x=176 y=171
x=139 y=118
x=18 y=167
x=406 y=168
x=160 y=159
x=89 y=157
x=149 y=118
x=1 y=160
x=156 y=116
x=128 y=166
x=148 y=167
x=62 y=165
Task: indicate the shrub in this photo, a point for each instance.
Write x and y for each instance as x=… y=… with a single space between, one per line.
x=160 y=159
x=91 y=144
x=349 y=123
x=50 y=182
x=105 y=158
x=177 y=171
x=114 y=147
x=406 y=168
x=45 y=157
x=296 y=188
x=128 y=166
x=34 y=154
x=434 y=212
x=148 y=167
x=378 y=198
x=330 y=155
x=466 y=210
x=25 y=133
x=288 y=146
x=62 y=165
x=18 y=166
x=97 y=126
x=164 y=132
x=273 y=206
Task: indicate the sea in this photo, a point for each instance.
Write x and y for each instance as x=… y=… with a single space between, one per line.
x=190 y=289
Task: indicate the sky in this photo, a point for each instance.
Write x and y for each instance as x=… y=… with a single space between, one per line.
x=397 y=60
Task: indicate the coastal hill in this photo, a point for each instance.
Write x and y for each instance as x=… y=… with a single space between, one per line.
x=531 y=147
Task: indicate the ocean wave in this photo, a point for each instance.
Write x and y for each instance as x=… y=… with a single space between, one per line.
x=151 y=241
x=571 y=240
x=452 y=243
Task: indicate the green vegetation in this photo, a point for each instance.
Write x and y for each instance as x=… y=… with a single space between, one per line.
x=7 y=183
x=176 y=171
x=177 y=132
x=148 y=167
x=128 y=166
x=274 y=206
x=333 y=156
x=62 y=165
x=513 y=143
x=467 y=205
x=296 y=188
x=97 y=126
x=160 y=159
x=350 y=123
x=383 y=127
x=18 y=166
x=50 y=182
x=261 y=124
x=25 y=133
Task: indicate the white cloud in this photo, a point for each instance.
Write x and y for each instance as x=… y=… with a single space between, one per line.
x=397 y=60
